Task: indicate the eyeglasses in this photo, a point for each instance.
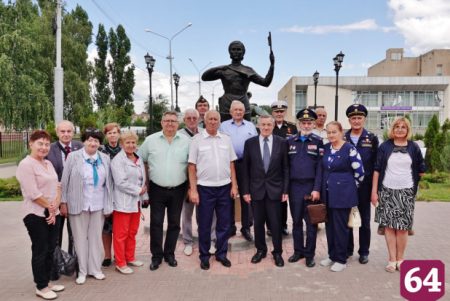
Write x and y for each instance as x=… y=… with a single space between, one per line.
x=170 y=121
x=400 y=149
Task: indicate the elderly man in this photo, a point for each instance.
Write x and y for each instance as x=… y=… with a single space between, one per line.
x=165 y=154
x=284 y=129
x=58 y=153
x=367 y=145
x=202 y=106
x=239 y=131
x=305 y=154
x=191 y=119
x=319 y=128
x=213 y=185
x=265 y=185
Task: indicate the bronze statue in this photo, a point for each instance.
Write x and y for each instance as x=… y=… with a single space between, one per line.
x=236 y=78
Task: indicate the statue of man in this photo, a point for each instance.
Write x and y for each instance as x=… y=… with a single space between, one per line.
x=236 y=78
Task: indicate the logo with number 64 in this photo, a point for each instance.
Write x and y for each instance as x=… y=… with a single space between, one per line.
x=422 y=280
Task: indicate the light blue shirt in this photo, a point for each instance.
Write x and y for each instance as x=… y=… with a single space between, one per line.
x=238 y=134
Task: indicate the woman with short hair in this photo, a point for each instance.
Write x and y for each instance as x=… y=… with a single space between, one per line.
x=129 y=189
x=398 y=169
x=41 y=197
x=87 y=199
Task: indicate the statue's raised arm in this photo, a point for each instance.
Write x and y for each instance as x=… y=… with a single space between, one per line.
x=236 y=78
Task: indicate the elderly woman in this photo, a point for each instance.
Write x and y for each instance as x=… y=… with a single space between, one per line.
x=398 y=169
x=87 y=199
x=41 y=197
x=343 y=171
x=129 y=188
x=111 y=148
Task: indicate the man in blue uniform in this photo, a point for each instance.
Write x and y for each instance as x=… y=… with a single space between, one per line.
x=367 y=144
x=284 y=129
x=305 y=152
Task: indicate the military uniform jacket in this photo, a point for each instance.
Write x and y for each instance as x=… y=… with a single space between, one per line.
x=305 y=158
x=288 y=129
x=367 y=147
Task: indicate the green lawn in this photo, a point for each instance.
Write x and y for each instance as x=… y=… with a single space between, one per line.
x=437 y=192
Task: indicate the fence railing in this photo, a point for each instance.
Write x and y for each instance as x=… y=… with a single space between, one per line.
x=13 y=144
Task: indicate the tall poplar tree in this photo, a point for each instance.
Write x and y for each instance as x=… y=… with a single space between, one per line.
x=102 y=89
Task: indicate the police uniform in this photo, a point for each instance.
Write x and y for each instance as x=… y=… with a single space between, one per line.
x=287 y=130
x=367 y=147
x=305 y=176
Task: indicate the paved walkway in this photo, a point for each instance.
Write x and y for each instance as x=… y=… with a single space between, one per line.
x=243 y=281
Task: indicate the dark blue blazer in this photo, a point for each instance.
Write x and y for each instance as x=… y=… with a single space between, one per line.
x=339 y=188
x=55 y=156
x=256 y=181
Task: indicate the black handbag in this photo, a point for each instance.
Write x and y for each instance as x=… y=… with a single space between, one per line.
x=64 y=263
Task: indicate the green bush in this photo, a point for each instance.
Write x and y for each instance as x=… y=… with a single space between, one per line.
x=9 y=188
x=424 y=185
x=436 y=177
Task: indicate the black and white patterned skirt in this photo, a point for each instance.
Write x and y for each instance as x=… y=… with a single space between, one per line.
x=395 y=208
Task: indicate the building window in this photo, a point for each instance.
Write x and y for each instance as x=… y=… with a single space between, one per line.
x=425 y=99
x=369 y=99
x=300 y=100
x=396 y=98
x=420 y=119
x=396 y=56
x=439 y=70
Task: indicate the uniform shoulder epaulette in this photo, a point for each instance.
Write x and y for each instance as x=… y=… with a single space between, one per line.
x=315 y=136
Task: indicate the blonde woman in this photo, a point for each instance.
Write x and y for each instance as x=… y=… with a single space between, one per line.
x=398 y=169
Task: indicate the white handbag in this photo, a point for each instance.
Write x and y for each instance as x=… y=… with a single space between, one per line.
x=354 y=220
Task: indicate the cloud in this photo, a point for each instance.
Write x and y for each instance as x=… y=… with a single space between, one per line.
x=364 y=25
x=424 y=24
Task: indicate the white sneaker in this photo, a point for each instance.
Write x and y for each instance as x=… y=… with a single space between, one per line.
x=99 y=276
x=338 y=267
x=48 y=295
x=124 y=270
x=188 y=250
x=56 y=287
x=136 y=263
x=326 y=262
x=212 y=250
x=80 y=280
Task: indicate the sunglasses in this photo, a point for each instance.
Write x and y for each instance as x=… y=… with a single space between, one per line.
x=92 y=131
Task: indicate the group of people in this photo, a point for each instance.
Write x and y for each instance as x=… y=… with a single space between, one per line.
x=205 y=166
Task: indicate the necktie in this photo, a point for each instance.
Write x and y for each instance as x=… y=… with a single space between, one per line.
x=67 y=151
x=94 y=164
x=266 y=154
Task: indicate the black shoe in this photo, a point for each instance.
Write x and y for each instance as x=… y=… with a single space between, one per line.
x=204 y=265
x=247 y=235
x=171 y=261
x=106 y=262
x=232 y=231
x=258 y=256
x=269 y=233
x=155 y=264
x=224 y=261
x=279 y=261
x=285 y=232
x=296 y=257
x=363 y=259
x=310 y=262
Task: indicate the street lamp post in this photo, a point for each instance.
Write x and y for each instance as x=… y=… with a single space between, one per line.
x=199 y=75
x=170 y=57
x=150 y=61
x=176 y=79
x=316 y=80
x=338 y=59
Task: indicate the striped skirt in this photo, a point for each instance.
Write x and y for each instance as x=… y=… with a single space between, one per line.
x=395 y=208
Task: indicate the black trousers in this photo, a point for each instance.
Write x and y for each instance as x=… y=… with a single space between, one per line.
x=246 y=210
x=267 y=210
x=70 y=247
x=43 y=242
x=160 y=199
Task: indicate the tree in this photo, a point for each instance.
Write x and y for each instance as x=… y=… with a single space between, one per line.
x=429 y=139
x=102 y=89
x=160 y=105
x=122 y=71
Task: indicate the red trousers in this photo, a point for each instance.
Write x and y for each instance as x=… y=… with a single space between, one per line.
x=125 y=228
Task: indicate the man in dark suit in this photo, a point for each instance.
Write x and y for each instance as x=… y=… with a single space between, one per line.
x=265 y=185
x=58 y=153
